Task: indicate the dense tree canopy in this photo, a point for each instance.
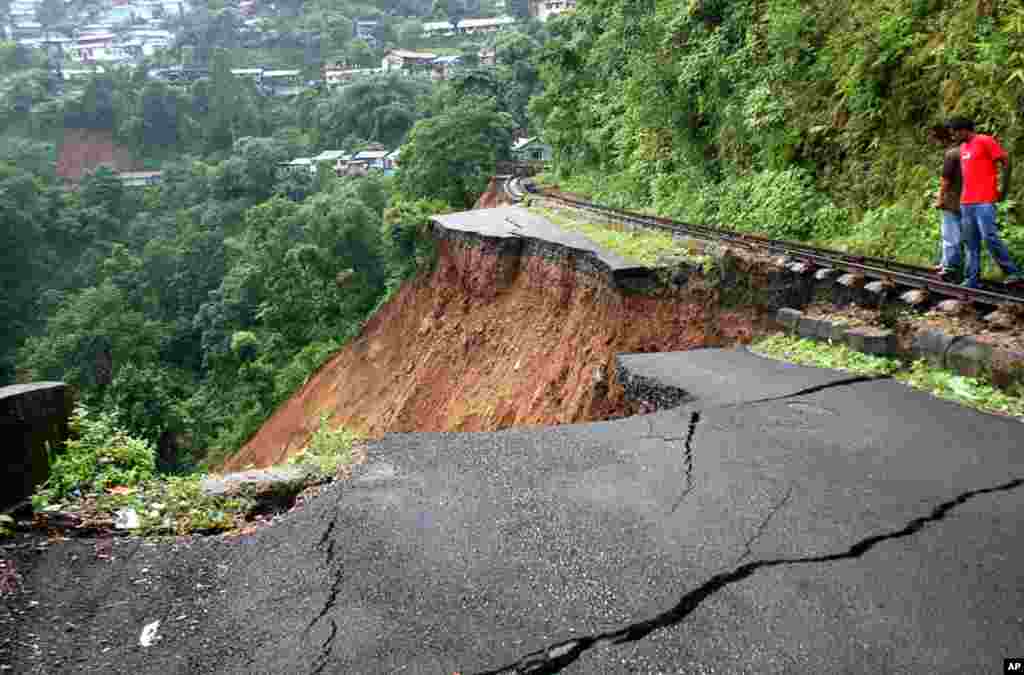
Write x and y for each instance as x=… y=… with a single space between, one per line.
x=450 y=156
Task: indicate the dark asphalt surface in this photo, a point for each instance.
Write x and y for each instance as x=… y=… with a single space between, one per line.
x=516 y=222
x=814 y=526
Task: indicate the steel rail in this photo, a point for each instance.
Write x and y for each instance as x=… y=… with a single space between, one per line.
x=875 y=268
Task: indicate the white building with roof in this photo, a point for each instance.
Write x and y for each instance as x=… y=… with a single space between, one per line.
x=373 y=159
x=298 y=165
x=545 y=9
x=404 y=59
x=467 y=26
x=330 y=156
x=334 y=77
x=282 y=82
x=531 y=149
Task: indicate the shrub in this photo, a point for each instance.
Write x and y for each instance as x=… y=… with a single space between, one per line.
x=898 y=231
x=328 y=449
x=102 y=455
x=778 y=204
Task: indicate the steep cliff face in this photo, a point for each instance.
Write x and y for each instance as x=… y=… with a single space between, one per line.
x=493 y=338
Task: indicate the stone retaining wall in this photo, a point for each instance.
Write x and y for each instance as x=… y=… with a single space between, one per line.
x=963 y=354
x=32 y=417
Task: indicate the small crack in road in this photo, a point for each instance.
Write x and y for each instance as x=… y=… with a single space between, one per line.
x=759 y=532
x=556 y=657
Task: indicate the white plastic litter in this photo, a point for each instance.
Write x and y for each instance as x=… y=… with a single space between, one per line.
x=126 y=519
x=149 y=635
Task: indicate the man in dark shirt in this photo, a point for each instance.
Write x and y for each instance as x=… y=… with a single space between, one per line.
x=948 y=201
x=983 y=162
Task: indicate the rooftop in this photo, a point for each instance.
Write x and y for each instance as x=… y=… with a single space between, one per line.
x=407 y=54
x=330 y=156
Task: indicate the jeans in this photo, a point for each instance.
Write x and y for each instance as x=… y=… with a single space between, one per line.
x=950 y=240
x=979 y=222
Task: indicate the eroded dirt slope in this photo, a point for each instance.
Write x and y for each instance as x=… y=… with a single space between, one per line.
x=83 y=150
x=484 y=343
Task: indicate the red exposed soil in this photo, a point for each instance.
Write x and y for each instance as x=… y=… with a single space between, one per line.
x=487 y=342
x=83 y=150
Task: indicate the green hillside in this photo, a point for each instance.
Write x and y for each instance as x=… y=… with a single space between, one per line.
x=805 y=119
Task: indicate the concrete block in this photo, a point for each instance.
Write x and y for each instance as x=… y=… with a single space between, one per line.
x=825 y=328
x=915 y=297
x=932 y=346
x=808 y=328
x=875 y=341
x=969 y=357
x=789 y=318
x=800 y=268
x=32 y=418
x=879 y=287
x=838 y=332
x=851 y=281
x=954 y=307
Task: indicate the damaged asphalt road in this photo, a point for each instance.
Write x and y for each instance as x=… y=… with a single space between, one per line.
x=786 y=520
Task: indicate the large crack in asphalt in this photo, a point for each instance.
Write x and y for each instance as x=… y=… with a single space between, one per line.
x=326 y=546
x=554 y=658
x=687 y=458
x=811 y=390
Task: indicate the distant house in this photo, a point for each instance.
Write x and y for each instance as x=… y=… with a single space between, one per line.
x=337 y=76
x=26 y=30
x=408 y=61
x=282 y=82
x=373 y=159
x=103 y=47
x=488 y=57
x=329 y=159
x=443 y=67
x=252 y=74
x=545 y=9
x=137 y=179
x=80 y=74
x=366 y=30
x=467 y=26
x=391 y=161
x=531 y=150
x=298 y=165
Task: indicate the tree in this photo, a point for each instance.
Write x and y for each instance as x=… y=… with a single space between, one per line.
x=452 y=155
x=409 y=33
x=470 y=54
x=379 y=109
x=360 y=54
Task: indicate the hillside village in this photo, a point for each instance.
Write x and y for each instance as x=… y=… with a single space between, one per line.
x=127 y=32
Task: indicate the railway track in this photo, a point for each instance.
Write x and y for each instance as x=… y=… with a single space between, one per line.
x=817 y=260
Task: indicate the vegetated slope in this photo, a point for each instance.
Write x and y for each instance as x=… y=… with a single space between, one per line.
x=805 y=119
x=83 y=150
x=482 y=343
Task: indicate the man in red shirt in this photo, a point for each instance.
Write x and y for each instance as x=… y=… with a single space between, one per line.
x=982 y=161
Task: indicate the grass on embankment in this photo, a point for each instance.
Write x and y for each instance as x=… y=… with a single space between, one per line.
x=969 y=391
x=650 y=248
